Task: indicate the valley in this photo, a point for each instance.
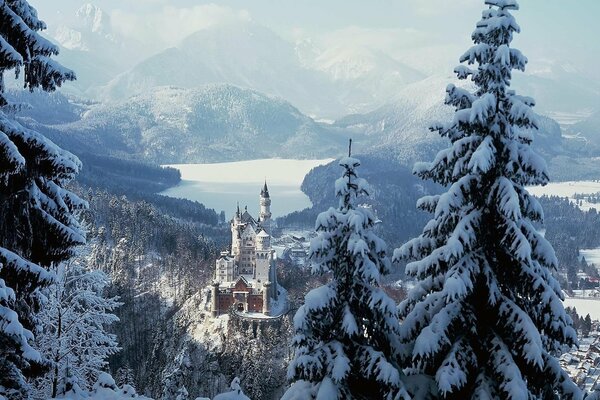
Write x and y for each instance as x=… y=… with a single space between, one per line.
x=180 y=114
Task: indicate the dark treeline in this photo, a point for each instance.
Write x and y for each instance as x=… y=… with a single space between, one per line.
x=394 y=191
x=141 y=182
x=569 y=229
x=157 y=262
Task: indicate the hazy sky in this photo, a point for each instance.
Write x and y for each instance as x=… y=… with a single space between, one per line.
x=552 y=29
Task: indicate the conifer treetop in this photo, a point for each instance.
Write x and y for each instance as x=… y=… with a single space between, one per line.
x=23 y=48
x=346 y=341
x=485 y=318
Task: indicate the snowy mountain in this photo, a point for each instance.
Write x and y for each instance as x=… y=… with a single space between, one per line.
x=399 y=130
x=327 y=83
x=325 y=80
x=559 y=88
x=243 y=54
x=90 y=47
x=212 y=123
x=363 y=78
x=92 y=24
x=589 y=128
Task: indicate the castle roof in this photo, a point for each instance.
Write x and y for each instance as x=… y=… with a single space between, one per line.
x=227 y=257
x=265 y=191
x=262 y=233
x=248 y=219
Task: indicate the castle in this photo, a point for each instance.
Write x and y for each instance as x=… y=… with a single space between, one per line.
x=245 y=277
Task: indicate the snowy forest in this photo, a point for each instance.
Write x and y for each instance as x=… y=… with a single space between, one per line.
x=213 y=202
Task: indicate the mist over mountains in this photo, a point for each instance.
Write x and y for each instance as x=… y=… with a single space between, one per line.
x=237 y=90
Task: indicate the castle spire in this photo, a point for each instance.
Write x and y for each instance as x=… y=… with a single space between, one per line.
x=265 y=190
x=265 y=209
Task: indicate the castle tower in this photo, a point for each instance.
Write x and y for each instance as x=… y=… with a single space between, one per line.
x=265 y=209
x=263 y=256
x=214 y=301
x=236 y=238
x=266 y=298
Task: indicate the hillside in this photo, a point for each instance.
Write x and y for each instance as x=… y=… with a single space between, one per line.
x=243 y=54
x=212 y=123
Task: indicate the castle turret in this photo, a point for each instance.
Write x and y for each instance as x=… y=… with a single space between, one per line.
x=265 y=209
x=214 y=303
x=266 y=298
x=236 y=236
x=263 y=256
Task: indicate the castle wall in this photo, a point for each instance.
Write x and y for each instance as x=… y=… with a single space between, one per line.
x=252 y=302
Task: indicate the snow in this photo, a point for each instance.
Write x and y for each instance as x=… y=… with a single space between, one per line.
x=585 y=306
x=569 y=190
x=107 y=394
x=235 y=392
x=592 y=256
x=566 y=119
x=222 y=185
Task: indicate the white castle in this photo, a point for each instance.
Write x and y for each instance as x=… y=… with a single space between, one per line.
x=245 y=277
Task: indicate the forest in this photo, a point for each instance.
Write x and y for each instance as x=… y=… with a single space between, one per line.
x=443 y=278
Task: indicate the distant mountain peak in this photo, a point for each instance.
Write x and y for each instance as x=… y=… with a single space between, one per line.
x=92 y=25
x=70 y=38
x=93 y=18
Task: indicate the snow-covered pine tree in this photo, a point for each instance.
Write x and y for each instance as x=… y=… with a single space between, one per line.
x=172 y=384
x=125 y=376
x=485 y=319
x=37 y=226
x=75 y=321
x=235 y=392
x=68 y=386
x=182 y=394
x=346 y=333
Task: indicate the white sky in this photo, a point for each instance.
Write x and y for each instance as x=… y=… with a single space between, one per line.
x=440 y=29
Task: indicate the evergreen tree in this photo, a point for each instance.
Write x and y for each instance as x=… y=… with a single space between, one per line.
x=586 y=326
x=346 y=341
x=173 y=384
x=125 y=376
x=182 y=394
x=37 y=226
x=485 y=319
x=235 y=392
x=74 y=323
x=69 y=386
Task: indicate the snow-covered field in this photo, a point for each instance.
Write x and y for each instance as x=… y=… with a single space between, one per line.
x=570 y=118
x=585 y=306
x=592 y=256
x=222 y=185
x=569 y=190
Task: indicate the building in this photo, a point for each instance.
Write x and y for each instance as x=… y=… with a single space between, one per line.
x=245 y=276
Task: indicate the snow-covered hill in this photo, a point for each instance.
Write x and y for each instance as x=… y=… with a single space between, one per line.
x=558 y=87
x=400 y=129
x=243 y=54
x=363 y=78
x=589 y=128
x=211 y=123
x=89 y=46
x=323 y=82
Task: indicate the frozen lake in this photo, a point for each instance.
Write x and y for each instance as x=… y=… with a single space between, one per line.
x=222 y=185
